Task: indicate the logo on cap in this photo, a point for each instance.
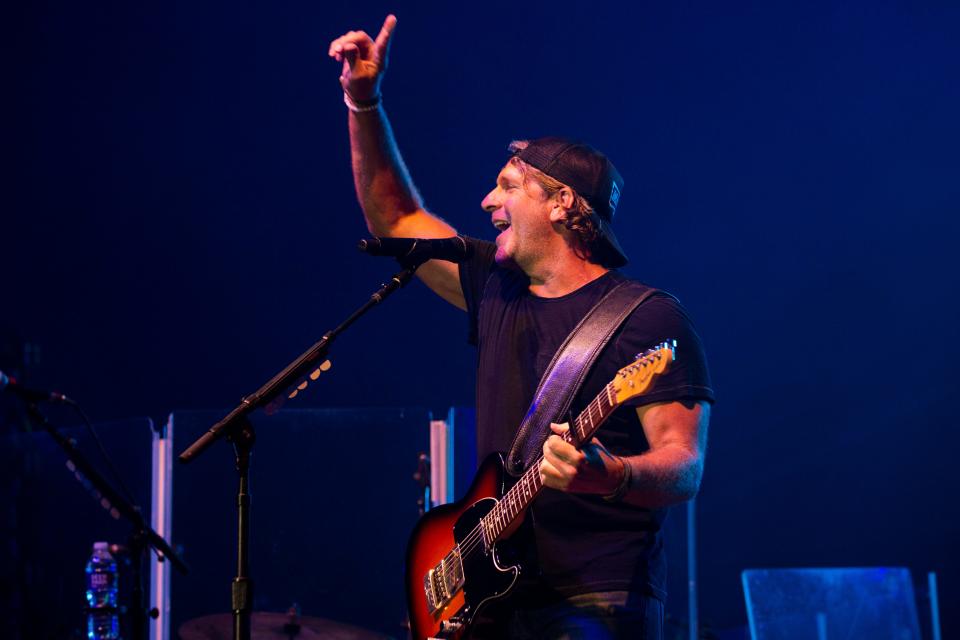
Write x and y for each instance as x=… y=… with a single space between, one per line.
x=614 y=198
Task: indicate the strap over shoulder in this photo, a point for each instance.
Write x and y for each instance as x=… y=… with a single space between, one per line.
x=567 y=371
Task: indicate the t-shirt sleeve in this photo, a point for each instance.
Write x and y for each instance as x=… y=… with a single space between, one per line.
x=474 y=273
x=659 y=319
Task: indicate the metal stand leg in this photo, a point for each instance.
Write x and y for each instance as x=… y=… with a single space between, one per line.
x=243 y=438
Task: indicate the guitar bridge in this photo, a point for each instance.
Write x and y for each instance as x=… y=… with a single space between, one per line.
x=442 y=583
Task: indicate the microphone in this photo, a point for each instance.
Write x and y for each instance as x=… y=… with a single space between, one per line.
x=31 y=395
x=418 y=250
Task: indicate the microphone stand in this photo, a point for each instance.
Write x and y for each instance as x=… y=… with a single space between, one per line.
x=142 y=537
x=238 y=429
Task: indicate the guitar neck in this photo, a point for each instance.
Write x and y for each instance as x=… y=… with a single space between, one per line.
x=629 y=382
x=520 y=495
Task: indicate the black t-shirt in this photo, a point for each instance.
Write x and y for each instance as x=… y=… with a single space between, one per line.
x=580 y=542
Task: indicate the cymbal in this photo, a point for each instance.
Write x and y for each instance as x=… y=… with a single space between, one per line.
x=274 y=626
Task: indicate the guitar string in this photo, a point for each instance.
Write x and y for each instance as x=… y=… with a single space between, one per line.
x=515 y=495
x=471 y=540
x=517 y=488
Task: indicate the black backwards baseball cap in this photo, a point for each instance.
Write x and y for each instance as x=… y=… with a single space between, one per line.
x=591 y=175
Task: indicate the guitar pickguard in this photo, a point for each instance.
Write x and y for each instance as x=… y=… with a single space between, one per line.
x=442 y=537
x=485 y=578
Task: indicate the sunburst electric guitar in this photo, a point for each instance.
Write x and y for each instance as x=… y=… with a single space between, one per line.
x=453 y=565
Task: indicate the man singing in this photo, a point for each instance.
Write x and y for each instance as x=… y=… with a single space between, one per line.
x=591 y=545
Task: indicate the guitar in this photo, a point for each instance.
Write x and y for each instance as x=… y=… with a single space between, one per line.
x=453 y=566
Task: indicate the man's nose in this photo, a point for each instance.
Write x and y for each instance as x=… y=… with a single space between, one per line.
x=490 y=202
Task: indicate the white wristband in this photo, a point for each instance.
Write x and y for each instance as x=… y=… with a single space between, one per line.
x=364 y=107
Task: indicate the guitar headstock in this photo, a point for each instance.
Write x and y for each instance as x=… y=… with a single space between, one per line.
x=635 y=378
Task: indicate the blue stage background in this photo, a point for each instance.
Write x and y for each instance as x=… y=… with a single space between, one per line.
x=179 y=222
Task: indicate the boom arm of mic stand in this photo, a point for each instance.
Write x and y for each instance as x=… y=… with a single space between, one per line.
x=127 y=510
x=307 y=361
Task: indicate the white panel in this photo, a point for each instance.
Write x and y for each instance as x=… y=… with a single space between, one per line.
x=161 y=519
x=441 y=461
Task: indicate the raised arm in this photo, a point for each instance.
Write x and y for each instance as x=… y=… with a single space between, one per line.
x=391 y=205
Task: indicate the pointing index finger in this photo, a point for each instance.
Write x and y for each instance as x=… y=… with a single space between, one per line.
x=383 y=38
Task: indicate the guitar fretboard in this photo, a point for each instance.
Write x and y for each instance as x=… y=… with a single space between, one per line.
x=630 y=381
x=522 y=494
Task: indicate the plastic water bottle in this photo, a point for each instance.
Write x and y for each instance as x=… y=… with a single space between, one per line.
x=102 y=620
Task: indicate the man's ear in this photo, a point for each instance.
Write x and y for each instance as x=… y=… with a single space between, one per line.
x=563 y=202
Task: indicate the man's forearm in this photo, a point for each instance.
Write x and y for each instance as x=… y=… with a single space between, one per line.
x=663 y=477
x=384 y=187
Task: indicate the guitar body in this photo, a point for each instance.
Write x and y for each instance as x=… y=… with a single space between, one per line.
x=455 y=526
x=454 y=564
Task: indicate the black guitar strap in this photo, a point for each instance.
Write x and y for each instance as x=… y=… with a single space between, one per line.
x=566 y=372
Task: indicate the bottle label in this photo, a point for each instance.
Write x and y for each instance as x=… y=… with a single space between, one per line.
x=100 y=580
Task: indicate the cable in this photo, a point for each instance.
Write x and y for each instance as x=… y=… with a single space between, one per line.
x=103 y=452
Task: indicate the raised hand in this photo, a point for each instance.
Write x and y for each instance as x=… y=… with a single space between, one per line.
x=364 y=60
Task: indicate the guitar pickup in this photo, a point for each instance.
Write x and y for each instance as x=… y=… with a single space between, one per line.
x=434 y=601
x=443 y=581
